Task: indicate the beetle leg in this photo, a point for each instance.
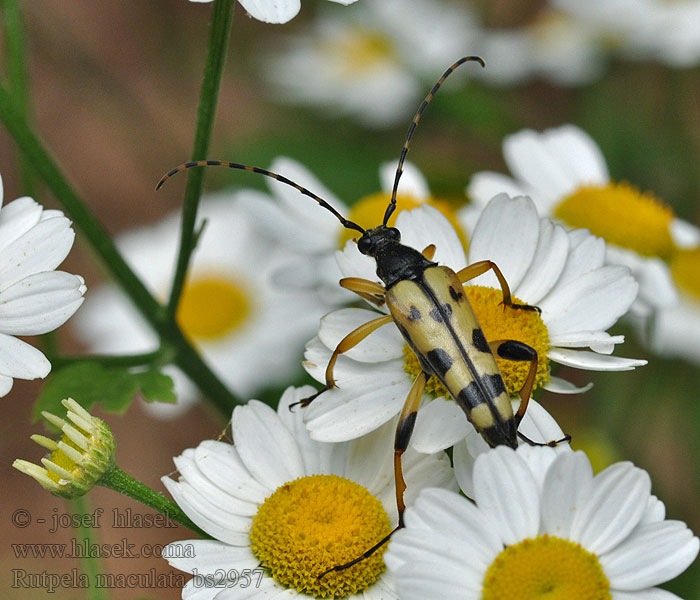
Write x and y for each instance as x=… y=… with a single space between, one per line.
x=429 y=252
x=514 y=350
x=479 y=268
x=349 y=341
x=404 y=429
x=369 y=290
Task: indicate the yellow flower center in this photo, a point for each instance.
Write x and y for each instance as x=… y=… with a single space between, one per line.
x=359 y=50
x=369 y=212
x=499 y=322
x=212 y=306
x=685 y=268
x=623 y=216
x=315 y=523
x=546 y=568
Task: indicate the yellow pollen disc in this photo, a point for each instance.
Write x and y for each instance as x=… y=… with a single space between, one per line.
x=369 y=212
x=212 y=307
x=546 y=568
x=622 y=215
x=315 y=523
x=359 y=50
x=499 y=322
x=685 y=268
x=60 y=458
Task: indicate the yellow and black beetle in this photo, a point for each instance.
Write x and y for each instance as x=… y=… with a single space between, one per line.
x=427 y=303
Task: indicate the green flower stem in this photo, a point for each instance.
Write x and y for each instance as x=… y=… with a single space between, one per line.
x=186 y=357
x=92 y=565
x=222 y=17
x=121 y=482
x=17 y=74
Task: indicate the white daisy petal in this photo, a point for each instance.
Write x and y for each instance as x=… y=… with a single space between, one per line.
x=412 y=182
x=208 y=556
x=19 y=359
x=221 y=464
x=649 y=594
x=600 y=341
x=279 y=11
x=582 y=359
x=440 y=424
x=194 y=590
x=652 y=554
x=685 y=235
x=579 y=154
x=539 y=426
x=565 y=484
x=16 y=218
x=506 y=237
x=430 y=580
x=40 y=303
x=273 y=463
x=485 y=185
x=561 y=386
x=612 y=509
x=499 y=476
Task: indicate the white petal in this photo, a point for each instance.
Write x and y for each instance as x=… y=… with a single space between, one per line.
x=649 y=594
x=42 y=248
x=499 y=476
x=561 y=386
x=486 y=184
x=208 y=556
x=652 y=554
x=578 y=153
x=265 y=445
x=426 y=225
x=566 y=482
x=590 y=361
x=19 y=359
x=5 y=385
x=440 y=424
x=40 y=303
x=431 y=580
x=547 y=263
x=613 y=508
x=279 y=11
x=595 y=301
x=506 y=234
x=385 y=343
x=684 y=234
x=220 y=462
x=16 y=218
x=600 y=341
x=539 y=426
x=412 y=182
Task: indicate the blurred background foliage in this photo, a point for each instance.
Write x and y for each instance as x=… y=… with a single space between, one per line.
x=113 y=90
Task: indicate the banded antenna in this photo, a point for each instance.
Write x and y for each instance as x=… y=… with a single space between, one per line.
x=412 y=127
x=219 y=163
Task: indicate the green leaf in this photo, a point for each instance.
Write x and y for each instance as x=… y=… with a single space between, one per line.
x=90 y=383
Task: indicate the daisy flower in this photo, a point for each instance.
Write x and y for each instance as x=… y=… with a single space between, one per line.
x=561 y=272
x=675 y=331
x=34 y=297
x=645 y=29
x=541 y=526
x=366 y=64
x=311 y=234
x=250 y=331
x=553 y=45
x=295 y=507
x=274 y=11
x=565 y=173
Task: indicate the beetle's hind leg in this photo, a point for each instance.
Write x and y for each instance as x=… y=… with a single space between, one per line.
x=518 y=351
x=349 y=341
x=479 y=268
x=404 y=430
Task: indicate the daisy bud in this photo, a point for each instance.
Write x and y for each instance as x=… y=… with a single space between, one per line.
x=79 y=459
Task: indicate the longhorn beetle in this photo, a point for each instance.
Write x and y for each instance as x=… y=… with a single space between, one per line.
x=428 y=304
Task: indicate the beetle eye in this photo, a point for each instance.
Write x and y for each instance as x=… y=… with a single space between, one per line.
x=363 y=245
x=394 y=233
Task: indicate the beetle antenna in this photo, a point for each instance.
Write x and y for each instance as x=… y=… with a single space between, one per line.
x=412 y=127
x=219 y=163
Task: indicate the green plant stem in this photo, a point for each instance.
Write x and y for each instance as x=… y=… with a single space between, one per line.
x=15 y=46
x=186 y=357
x=222 y=17
x=92 y=566
x=121 y=482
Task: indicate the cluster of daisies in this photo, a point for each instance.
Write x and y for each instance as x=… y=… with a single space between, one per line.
x=361 y=61
x=304 y=490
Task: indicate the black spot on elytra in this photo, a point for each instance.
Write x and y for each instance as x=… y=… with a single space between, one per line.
x=456 y=296
x=473 y=395
x=479 y=340
x=440 y=361
x=437 y=313
x=470 y=397
x=415 y=314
